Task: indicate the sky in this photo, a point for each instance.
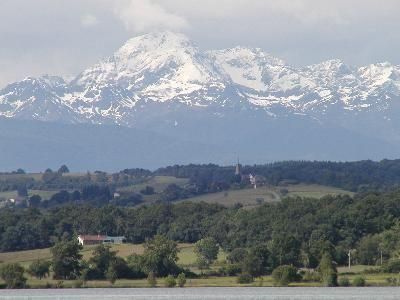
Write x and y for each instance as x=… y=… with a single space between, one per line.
x=63 y=37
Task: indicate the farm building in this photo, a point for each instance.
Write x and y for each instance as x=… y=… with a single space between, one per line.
x=100 y=239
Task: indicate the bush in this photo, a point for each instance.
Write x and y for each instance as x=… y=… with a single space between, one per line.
x=359 y=281
x=39 y=269
x=392 y=266
x=392 y=281
x=230 y=269
x=13 y=275
x=344 y=281
x=181 y=280
x=311 y=276
x=170 y=281
x=135 y=264
x=245 y=278
x=237 y=255
x=151 y=279
x=283 y=275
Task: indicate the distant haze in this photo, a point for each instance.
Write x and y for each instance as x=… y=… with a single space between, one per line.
x=66 y=36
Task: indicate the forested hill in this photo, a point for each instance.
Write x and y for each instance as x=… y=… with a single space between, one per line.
x=354 y=176
x=302 y=229
x=359 y=176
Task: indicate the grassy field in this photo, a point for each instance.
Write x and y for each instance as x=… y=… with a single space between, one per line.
x=314 y=190
x=45 y=195
x=36 y=176
x=186 y=255
x=159 y=183
x=355 y=269
x=253 y=197
x=247 y=197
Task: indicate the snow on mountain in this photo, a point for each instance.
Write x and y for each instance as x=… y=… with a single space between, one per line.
x=168 y=70
x=248 y=68
x=38 y=99
x=161 y=66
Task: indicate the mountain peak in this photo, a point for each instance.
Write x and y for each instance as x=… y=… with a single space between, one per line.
x=167 y=67
x=156 y=41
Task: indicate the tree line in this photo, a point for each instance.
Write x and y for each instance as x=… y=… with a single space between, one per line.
x=295 y=231
x=159 y=260
x=359 y=176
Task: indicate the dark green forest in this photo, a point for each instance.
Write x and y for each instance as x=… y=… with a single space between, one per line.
x=295 y=231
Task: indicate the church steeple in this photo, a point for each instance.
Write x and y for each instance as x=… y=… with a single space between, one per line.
x=238 y=170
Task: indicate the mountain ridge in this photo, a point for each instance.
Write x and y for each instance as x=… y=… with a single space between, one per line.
x=168 y=67
x=216 y=103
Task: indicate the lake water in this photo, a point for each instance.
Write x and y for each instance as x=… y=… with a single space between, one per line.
x=206 y=293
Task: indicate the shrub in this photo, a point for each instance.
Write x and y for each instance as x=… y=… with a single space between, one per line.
x=328 y=271
x=393 y=281
x=13 y=275
x=245 y=278
x=39 y=269
x=151 y=279
x=181 y=280
x=170 y=281
x=344 y=281
x=135 y=264
x=237 y=255
x=359 y=281
x=392 y=266
x=311 y=276
x=230 y=269
x=283 y=275
x=206 y=251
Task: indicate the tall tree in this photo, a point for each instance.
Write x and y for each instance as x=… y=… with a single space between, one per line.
x=63 y=169
x=160 y=256
x=101 y=260
x=207 y=251
x=328 y=270
x=66 y=259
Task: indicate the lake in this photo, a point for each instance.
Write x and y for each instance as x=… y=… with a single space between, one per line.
x=207 y=293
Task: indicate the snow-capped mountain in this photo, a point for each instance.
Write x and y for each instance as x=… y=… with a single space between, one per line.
x=168 y=68
x=216 y=103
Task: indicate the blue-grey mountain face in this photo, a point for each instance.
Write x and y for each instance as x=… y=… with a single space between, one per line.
x=209 y=105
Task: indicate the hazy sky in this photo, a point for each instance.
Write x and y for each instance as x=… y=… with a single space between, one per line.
x=63 y=37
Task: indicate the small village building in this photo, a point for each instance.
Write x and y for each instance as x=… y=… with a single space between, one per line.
x=115 y=240
x=91 y=239
x=85 y=239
